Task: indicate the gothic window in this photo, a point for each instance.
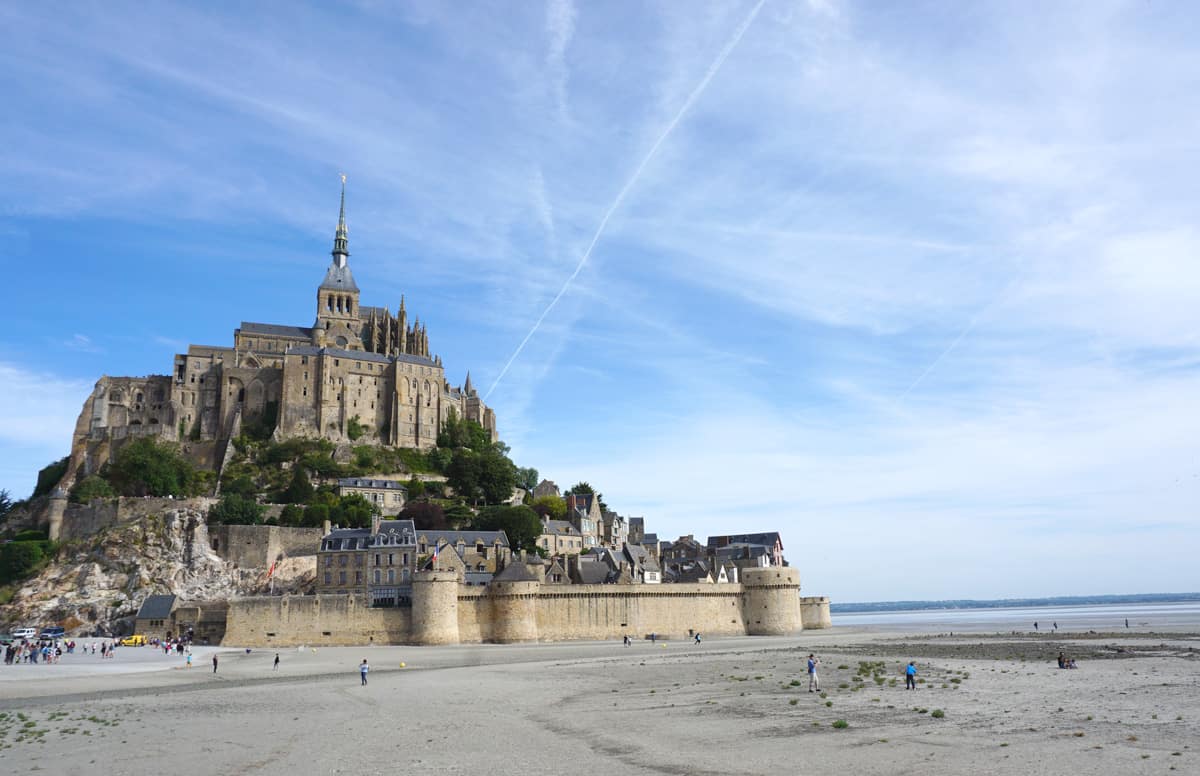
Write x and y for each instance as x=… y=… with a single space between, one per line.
x=139 y=397
x=329 y=303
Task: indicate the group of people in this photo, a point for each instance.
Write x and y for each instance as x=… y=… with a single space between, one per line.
x=1066 y=662
x=814 y=683
x=50 y=652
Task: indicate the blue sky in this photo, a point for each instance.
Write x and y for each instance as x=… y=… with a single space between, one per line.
x=916 y=285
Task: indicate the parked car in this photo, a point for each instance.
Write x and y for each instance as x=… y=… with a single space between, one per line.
x=53 y=633
x=136 y=640
x=24 y=633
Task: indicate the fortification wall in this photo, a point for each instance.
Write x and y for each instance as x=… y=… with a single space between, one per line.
x=814 y=612
x=332 y=620
x=445 y=612
x=605 y=612
x=258 y=546
x=474 y=615
x=83 y=520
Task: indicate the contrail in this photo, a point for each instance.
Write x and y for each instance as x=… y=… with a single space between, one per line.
x=962 y=334
x=637 y=173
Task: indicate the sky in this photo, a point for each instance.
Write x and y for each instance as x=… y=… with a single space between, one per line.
x=916 y=285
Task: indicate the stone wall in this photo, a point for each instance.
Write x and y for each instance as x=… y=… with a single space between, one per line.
x=80 y=521
x=258 y=546
x=446 y=612
x=286 y=621
x=814 y=612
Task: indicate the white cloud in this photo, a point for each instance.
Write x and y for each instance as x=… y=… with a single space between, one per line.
x=560 y=27
x=38 y=411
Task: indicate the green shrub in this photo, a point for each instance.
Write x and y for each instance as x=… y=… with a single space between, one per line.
x=235 y=509
x=355 y=428
x=49 y=476
x=841 y=724
x=145 y=467
x=937 y=713
x=90 y=488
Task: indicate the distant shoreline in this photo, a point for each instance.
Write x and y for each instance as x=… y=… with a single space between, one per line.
x=1013 y=603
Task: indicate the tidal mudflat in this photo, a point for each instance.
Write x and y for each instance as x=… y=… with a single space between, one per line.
x=984 y=704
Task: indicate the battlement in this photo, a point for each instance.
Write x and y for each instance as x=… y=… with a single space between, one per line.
x=444 y=611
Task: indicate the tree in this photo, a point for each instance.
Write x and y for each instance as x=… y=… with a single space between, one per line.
x=553 y=507
x=6 y=503
x=355 y=428
x=49 y=476
x=415 y=487
x=459 y=516
x=19 y=559
x=527 y=478
x=497 y=476
x=145 y=467
x=235 y=509
x=299 y=490
x=425 y=516
x=520 y=524
x=90 y=488
x=292 y=514
x=353 y=511
x=583 y=488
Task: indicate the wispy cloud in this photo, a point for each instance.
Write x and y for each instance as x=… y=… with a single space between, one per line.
x=560 y=28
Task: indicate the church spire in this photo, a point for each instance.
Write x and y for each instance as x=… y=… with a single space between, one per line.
x=341 y=250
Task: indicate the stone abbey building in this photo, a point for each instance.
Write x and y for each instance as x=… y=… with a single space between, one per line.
x=358 y=373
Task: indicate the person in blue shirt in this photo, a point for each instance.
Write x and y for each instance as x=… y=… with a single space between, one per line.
x=910 y=676
x=814 y=684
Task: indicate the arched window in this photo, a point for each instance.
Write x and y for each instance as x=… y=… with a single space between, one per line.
x=377 y=576
x=139 y=397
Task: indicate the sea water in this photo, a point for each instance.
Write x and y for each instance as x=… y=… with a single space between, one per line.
x=1163 y=617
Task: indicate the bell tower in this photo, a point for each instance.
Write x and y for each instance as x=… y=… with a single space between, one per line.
x=339 y=324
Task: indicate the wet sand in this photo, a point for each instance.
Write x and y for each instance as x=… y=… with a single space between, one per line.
x=728 y=706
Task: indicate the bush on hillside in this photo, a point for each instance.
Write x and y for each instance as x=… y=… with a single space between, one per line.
x=90 y=488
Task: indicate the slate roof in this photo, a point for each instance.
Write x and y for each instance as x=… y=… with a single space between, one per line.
x=468 y=537
x=359 y=355
x=156 y=607
x=515 y=572
x=339 y=279
x=650 y=538
x=361 y=482
x=767 y=539
x=275 y=330
x=559 y=527
x=593 y=573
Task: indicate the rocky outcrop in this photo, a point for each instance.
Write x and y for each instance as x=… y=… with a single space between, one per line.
x=96 y=584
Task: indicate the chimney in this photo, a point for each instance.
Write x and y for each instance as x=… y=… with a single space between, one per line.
x=375 y=521
x=327 y=527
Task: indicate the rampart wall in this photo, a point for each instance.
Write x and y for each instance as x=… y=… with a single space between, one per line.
x=258 y=546
x=446 y=612
x=80 y=521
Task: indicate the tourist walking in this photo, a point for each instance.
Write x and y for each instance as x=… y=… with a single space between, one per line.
x=214 y=664
x=276 y=666
x=697 y=637
x=189 y=660
x=814 y=683
x=910 y=676
x=626 y=641
x=362 y=671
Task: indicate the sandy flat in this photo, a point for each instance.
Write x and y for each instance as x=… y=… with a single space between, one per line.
x=728 y=706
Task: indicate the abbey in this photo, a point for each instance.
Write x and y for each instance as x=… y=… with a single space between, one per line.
x=358 y=373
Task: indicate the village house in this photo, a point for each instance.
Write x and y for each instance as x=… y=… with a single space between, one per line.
x=583 y=512
x=559 y=537
x=389 y=495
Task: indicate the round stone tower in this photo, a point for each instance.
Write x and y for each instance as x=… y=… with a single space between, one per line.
x=772 y=601
x=435 y=607
x=514 y=594
x=814 y=612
